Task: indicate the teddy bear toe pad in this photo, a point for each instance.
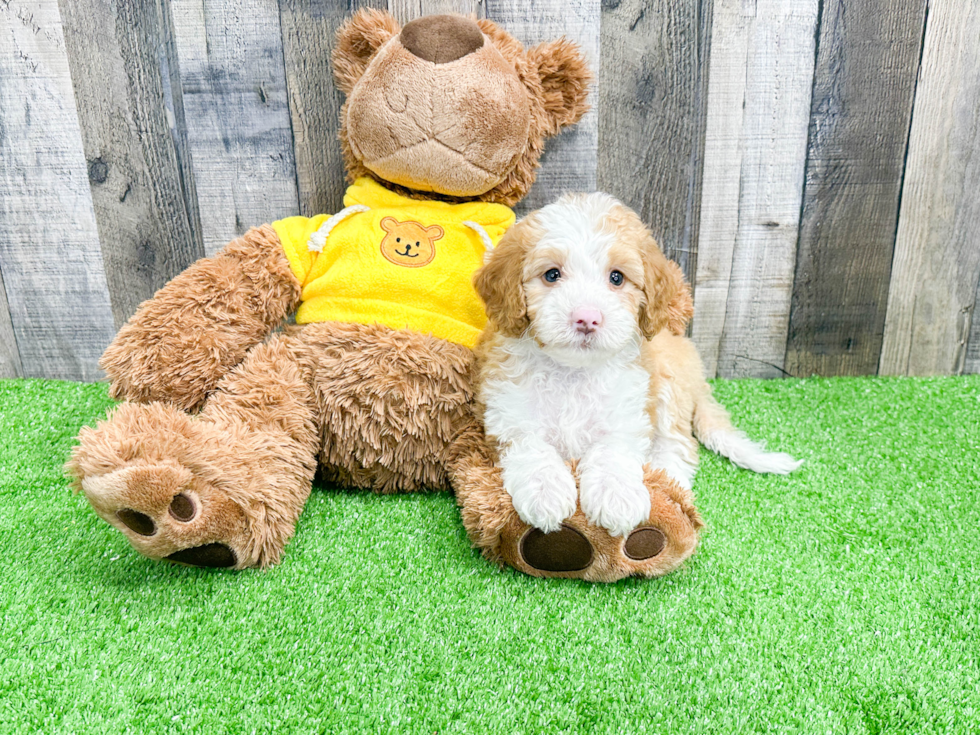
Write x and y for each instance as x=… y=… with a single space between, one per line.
x=208 y=555
x=167 y=513
x=564 y=550
x=645 y=543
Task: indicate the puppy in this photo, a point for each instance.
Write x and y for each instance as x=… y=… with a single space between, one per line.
x=583 y=361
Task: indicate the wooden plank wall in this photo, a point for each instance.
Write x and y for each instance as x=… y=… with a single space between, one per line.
x=811 y=164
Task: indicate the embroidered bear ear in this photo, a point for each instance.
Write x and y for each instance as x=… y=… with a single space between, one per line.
x=358 y=40
x=388 y=224
x=435 y=232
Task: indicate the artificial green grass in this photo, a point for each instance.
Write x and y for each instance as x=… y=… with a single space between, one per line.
x=839 y=599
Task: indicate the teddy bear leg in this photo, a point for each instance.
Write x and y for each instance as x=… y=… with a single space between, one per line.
x=220 y=489
x=579 y=549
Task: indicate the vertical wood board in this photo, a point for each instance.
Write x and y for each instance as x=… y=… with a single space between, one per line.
x=406 y=10
x=971 y=364
x=652 y=89
x=234 y=94
x=570 y=159
x=859 y=127
x=148 y=228
x=723 y=151
x=309 y=28
x=9 y=354
x=749 y=234
x=49 y=247
x=933 y=289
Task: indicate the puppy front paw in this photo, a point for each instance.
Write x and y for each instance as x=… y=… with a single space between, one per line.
x=543 y=495
x=612 y=491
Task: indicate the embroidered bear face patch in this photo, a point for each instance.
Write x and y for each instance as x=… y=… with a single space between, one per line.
x=409 y=244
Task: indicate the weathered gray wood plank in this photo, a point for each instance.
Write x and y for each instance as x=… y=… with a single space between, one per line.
x=145 y=209
x=570 y=159
x=236 y=108
x=652 y=92
x=972 y=363
x=406 y=10
x=933 y=289
x=859 y=127
x=761 y=75
x=49 y=247
x=9 y=354
x=308 y=35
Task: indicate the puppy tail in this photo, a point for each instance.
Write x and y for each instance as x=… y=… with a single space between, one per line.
x=713 y=428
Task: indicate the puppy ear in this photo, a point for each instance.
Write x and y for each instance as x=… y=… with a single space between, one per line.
x=667 y=297
x=564 y=76
x=680 y=309
x=358 y=40
x=500 y=283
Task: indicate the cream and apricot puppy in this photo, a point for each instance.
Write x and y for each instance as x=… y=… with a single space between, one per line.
x=584 y=360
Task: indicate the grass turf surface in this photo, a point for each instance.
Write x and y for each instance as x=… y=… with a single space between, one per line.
x=839 y=599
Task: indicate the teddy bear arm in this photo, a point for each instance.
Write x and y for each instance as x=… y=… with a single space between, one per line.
x=179 y=344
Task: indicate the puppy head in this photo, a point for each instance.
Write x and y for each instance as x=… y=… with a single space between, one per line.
x=585 y=279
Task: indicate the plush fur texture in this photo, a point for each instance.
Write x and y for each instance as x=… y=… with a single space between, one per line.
x=587 y=387
x=367 y=405
x=180 y=343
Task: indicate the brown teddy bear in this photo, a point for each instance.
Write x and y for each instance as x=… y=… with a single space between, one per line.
x=212 y=457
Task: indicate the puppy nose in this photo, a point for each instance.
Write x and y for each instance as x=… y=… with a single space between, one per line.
x=441 y=38
x=586 y=320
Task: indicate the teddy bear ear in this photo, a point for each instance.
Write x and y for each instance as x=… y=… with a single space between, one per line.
x=565 y=77
x=358 y=40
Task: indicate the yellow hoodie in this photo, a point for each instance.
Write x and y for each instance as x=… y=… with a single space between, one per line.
x=391 y=260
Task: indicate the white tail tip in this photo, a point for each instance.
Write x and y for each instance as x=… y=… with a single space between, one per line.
x=748 y=454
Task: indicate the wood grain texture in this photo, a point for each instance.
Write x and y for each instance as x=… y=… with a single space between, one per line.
x=652 y=91
x=308 y=34
x=570 y=159
x=859 y=127
x=761 y=75
x=145 y=208
x=235 y=103
x=49 y=246
x=971 y=364
x=9 y=354
x=406 y=10
x=932 y=294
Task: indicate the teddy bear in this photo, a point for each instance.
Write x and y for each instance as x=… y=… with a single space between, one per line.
x=228 y=411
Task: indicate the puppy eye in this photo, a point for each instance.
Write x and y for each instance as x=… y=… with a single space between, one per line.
x=552 y=275
x=616 y=278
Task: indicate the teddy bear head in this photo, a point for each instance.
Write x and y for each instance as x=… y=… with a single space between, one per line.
x=452 y=108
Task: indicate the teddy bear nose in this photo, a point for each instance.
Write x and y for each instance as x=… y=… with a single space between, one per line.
x=441 y=38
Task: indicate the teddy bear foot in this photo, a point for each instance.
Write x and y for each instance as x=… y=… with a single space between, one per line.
x=176 y=486
x=166 y=513
x=584 y=550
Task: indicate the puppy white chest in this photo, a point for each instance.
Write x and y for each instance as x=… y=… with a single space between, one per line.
x=572 y=409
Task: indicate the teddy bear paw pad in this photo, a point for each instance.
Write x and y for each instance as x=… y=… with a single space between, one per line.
x=564 y=550
x=208 y=555
x=137 y=522
x=645 y=543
